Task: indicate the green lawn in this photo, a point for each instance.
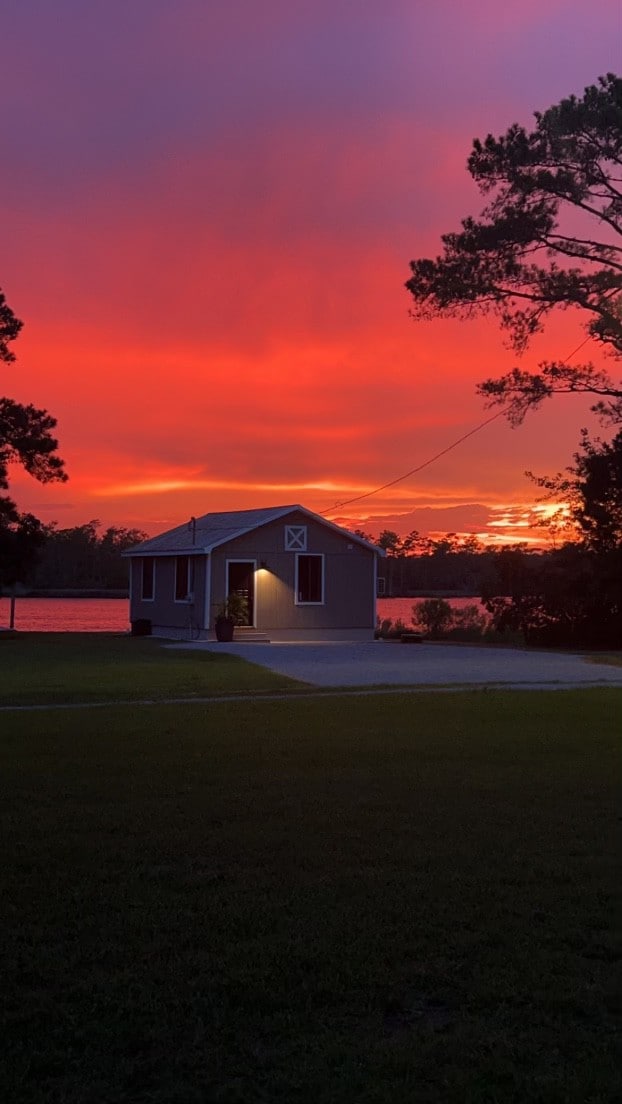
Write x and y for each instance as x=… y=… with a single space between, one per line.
x=401 y=898
x=69 y=667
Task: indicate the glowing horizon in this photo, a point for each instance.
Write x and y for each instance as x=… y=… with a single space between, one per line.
x=209 y=215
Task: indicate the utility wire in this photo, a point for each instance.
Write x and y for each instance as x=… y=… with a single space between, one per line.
x=443 y=452
x=413 y=471
x=578 y=348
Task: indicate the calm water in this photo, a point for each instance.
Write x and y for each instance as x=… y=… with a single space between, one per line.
x=68 y=614
x=402 y=608
x=112 y=614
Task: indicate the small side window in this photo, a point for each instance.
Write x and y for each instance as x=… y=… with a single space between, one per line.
x=148 y=579
x=183 y=578
x=309 y=580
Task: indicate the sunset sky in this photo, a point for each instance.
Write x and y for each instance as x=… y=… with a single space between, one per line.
x=208 y=211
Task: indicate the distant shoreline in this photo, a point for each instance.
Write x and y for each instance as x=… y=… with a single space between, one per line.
x=77 y=592
x=429 y=593
x=102 y=593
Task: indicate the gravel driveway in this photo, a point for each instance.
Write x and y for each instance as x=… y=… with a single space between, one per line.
x=387 y=663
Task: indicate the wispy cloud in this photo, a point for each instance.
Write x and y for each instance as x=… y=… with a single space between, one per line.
x=209 y=210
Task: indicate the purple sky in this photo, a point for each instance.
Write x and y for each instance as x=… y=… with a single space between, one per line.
x=208 y=211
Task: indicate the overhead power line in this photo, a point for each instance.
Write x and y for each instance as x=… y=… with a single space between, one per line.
x=420 y=467
x=437 y=456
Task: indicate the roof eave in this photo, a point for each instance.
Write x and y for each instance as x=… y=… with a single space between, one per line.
x=140 y=550
x=194 y=550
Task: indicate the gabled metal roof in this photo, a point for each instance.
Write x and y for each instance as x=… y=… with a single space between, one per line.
x=204 y=534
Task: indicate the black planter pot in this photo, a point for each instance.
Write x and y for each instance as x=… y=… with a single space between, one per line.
x=224 y=627
x=141 y=627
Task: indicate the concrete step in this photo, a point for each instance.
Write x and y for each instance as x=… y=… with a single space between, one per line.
x=242 y=635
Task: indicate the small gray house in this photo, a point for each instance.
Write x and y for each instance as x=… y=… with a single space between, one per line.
x=303 y=577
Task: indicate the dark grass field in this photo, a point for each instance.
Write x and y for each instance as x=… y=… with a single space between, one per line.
x=330 y=901
x=48 y=668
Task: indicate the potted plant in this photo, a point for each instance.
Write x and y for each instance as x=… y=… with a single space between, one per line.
x=232 y=612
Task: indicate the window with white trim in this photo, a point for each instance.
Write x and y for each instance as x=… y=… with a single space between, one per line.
x=309 y=580
x=295 y=538
x=147 y=587
x=184 y=578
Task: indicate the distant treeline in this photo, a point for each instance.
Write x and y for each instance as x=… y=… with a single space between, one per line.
x=416 y=565
x=82 y=558
x=88 y=558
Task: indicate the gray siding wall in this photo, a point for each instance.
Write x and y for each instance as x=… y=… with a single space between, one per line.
x=164 y=611
x=349 y=578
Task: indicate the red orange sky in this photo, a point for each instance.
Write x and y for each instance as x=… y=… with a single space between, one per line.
x=208 y=210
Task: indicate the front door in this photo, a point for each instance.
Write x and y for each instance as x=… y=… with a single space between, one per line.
x=241 y=580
